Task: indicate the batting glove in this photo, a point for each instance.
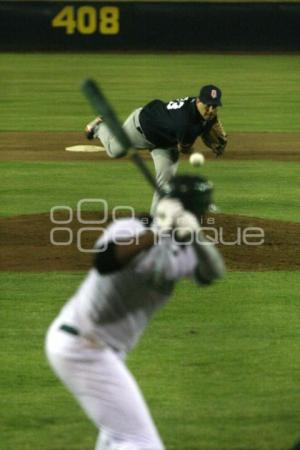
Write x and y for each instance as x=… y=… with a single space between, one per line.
x=186 y=226
x=167 y=211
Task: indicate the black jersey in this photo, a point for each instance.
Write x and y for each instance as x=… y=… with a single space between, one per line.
x=167 y=124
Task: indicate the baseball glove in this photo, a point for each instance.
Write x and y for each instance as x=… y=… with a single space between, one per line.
x=215 y=138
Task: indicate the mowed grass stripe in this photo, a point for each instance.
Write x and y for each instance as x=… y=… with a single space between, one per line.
x=255 y=188
x=42 y=91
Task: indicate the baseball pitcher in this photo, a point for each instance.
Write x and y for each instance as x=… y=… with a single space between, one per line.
x=133 y=275
x=167 y=129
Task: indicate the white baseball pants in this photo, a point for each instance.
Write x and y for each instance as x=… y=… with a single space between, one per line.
x=105 y=389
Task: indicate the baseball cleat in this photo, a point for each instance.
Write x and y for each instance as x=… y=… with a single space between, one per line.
x=91 y=128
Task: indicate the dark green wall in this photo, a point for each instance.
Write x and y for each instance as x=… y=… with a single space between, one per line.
x=149 y=26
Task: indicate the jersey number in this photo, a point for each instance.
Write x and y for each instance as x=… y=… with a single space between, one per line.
x=176 y=104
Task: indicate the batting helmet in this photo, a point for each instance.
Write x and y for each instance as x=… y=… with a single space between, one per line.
x=194 y=192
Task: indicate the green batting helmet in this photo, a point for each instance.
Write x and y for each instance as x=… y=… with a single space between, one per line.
x=194 y=192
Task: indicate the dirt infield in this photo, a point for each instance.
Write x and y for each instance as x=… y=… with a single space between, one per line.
x=26 y=243
x=49 y=146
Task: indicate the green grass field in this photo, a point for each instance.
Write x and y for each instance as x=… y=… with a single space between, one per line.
x=225 y=375
x=41 y=92
x=57 y=184
x=220 y=366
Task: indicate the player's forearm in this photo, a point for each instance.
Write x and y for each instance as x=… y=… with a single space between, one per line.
x=211 y=265
x=115 y=256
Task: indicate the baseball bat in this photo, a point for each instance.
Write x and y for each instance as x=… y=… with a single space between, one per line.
x=102 y=107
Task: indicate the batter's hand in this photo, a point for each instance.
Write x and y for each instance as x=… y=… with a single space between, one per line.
x=186 y=226
x=167 y=211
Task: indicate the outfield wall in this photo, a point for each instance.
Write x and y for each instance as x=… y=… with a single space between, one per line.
x=152 y=26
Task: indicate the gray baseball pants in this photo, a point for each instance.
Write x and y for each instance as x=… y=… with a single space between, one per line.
x=165 y=159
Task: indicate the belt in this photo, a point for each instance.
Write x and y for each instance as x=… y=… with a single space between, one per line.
x=72 y=330
x=69 y=329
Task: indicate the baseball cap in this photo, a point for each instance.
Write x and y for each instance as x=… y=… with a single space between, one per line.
x=210 y=95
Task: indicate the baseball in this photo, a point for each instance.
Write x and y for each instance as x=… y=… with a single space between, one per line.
x=197 y=159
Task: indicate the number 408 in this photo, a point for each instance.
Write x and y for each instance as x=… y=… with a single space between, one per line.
x=88 y=20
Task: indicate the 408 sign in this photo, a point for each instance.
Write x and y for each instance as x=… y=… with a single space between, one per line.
x=88 y=20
